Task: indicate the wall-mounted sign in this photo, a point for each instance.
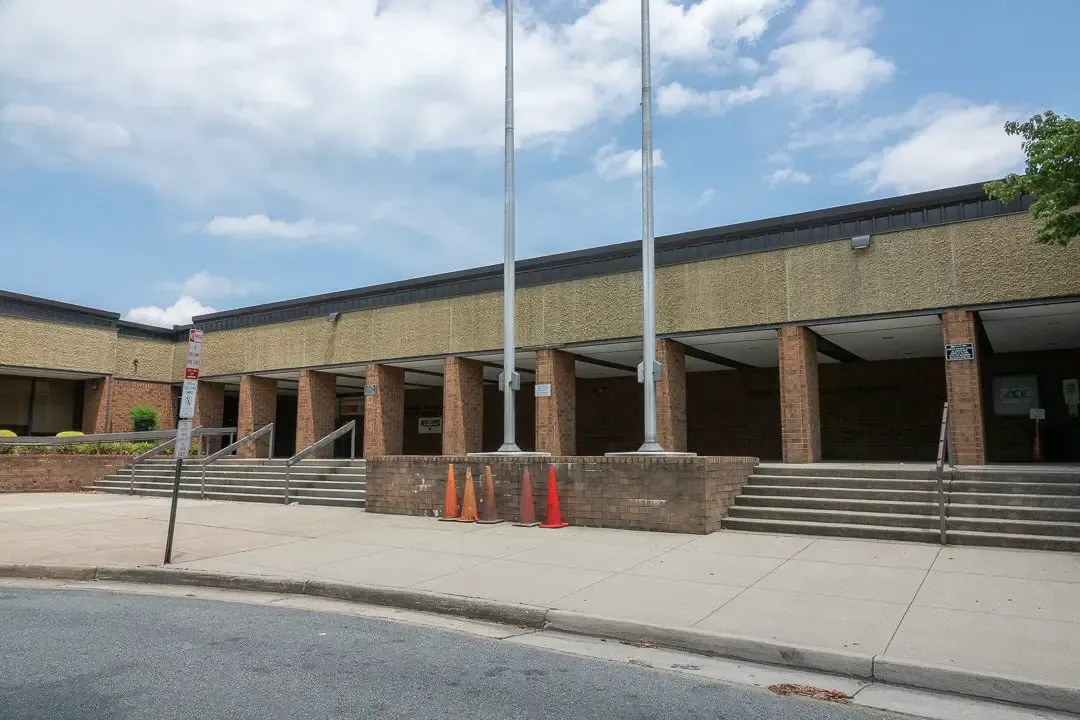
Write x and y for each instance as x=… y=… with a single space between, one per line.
x=1071 y=389
x=1037 y=413
x=369 y=390
x=1015 y=395
x=542 y=390
x=430 y=426
x=351 y=406
x=960 y=351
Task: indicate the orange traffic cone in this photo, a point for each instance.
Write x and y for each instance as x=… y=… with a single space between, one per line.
x=554 y=515
x=451 y=510
x=468 y=500
x=489 y=514
x=527 y=516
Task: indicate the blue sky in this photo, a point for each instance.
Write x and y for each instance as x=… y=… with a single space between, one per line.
x=162 y=159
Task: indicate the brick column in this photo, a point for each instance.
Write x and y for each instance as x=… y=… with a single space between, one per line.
x=316 y=410
x=800 y=417
x=964 y=391
x=671 y=396
x=96 y=397
x=463 y=406
x=556 y=416
x=210 y=411
x=258 y=407
x=384 y=412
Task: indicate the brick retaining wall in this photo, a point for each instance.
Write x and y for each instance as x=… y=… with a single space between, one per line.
x=673 y=494
x=56 y=473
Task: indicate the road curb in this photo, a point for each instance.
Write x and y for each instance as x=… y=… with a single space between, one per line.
x=711 y=643
x=912 y=673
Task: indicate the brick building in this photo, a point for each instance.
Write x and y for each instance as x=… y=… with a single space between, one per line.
x=781 y=339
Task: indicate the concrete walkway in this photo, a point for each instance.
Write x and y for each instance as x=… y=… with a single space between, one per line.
x=1009 y=612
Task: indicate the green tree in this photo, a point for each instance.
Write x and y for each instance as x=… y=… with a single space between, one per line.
x=1052 y=175
x=144 y=419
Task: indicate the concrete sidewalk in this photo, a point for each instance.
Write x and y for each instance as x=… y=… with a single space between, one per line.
x=988 y=611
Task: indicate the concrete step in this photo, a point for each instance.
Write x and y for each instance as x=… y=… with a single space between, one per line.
x=305 y=496
x=1029 y=542
x=825 y=503
x=839 y=492
x=268 y=485
x=841 y=517
x=757 y=480
x=1015 y=500
x=917 y=471
x=1014 y=512
x=248 y=477
x=1015 y=527
x=1022 y=488
x=873 y=532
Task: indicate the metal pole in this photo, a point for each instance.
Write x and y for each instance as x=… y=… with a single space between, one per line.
x=134 y=467
x=352 y=441
x=287 y=469
x=510 y=382
x=172 y=510
x=202 y=485
x=648 y=270
x=270 y=455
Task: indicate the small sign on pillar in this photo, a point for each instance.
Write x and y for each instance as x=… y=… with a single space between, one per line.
x=960 y=351
x=542 y=390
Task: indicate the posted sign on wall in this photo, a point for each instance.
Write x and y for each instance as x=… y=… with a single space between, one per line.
x=960 y=351
x=190 y=392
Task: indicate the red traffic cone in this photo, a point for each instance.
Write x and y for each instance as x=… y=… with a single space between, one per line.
x=554 y=515
x=489 y=514
x=450 y=512
x=527 y=517
x=468 y=500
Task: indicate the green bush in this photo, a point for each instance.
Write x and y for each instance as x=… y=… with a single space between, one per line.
x=144 y=419
x=69 y=433
x=7 y=433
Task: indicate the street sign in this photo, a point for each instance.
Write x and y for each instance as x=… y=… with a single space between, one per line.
x=187 y=399
x=191 y=375
x=960 y=351
x=183 y=439
x=542 y=390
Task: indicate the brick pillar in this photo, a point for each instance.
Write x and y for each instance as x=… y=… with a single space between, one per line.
x=556 y=416
x=258 y=407
x=316 y=410
x=384 y=412
x=463 y=406
x=210 y=411
x=671 y=396
x=96 y=396
x=963 y=386
x=800 y=417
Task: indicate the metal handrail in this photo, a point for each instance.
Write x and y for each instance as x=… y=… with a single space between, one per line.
x=232 y=448
x=201 y=432
x=319 y=444
x=945 y=450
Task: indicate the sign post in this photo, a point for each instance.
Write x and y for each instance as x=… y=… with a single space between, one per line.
x=183 y=427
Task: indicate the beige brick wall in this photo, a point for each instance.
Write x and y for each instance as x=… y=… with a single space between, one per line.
x=56 y=346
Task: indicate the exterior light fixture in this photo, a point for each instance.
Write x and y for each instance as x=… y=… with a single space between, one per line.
x=860 y=242
x=332 y=317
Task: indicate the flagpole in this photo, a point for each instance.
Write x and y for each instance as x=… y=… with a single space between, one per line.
x=509 y=380
x=649 y=369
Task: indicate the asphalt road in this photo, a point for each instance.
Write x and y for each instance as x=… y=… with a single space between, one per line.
x=87 y=655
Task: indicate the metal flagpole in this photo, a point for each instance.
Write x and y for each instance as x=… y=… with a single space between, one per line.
x=649 y=369
x=509 y=380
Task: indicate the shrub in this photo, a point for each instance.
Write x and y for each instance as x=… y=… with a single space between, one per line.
x=144 y=419
x=69 y=433
x=7 y=433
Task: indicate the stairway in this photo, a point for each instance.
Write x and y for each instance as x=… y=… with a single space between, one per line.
x=311 y=482
x=1019 y=507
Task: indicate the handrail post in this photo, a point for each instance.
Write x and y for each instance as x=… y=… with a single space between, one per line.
x=288 y=467
x=352 y=443
x=944 y=445
x=270 y=456
x=202 y=482
x=134 y=467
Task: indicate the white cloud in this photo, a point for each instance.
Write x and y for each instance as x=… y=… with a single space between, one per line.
x=704 y=199
x=786 y=175
x=824 y=60
x=261 y=226
x=951 y=147
x=780 y=158
x=179 y=313
x=611 y=164
x=36 y=126
x=204 y=285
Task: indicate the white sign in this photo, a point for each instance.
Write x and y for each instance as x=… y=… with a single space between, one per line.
x=187 y=399
x=183 y=439
x=960 y=351
x=542 y=390
x=1071 y=388
x=369 y=390
x=1037 y=413
x=431 y=426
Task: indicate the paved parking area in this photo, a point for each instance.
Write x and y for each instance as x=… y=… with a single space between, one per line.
x=1013 y=612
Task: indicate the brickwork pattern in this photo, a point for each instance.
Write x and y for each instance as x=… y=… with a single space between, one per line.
x=610 y=415
x=734 y=412
x=556 y=416
x=963 y=381
x=258 y=408
x=384 y=412
x=463 y=406
x=95 y=405
x=56 y=473
x=210 y=411
x=671 y=396
x=800 y=417
x=128 y=394
x=316 y=411
x=689 y=495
